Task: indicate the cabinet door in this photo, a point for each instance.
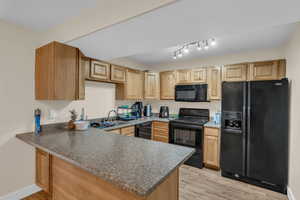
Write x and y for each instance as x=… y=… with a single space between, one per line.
x=128 y=131
x=100 y=70
x=118 y=74
x=167 y=85
x=56 y=72
x=263 y=70
x=211 y=151
x=199 y=75
x=42 y=177
x=183 y=76
x=134 y=84
x=237 y=72
x=214 y=83
x=83 y=63
x=151 y=85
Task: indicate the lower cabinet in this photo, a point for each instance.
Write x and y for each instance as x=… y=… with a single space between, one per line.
x=43 y=172
x=211 y=147
x=128 y=131
x=160 y=131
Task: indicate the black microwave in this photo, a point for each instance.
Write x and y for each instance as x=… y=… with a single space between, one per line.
x=191 y=93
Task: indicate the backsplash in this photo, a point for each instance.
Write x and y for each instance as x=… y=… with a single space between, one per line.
x=213 y=106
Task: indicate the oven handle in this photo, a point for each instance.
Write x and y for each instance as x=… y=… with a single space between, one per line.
x=185 y=126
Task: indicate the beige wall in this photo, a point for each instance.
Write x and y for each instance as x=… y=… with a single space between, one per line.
x=101 y=16
x=293 y=73
x=17 y=102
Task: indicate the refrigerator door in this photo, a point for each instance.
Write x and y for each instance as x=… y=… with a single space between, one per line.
x=233 y=128
x=267 y=154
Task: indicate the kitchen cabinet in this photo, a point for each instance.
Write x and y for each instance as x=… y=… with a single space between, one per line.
x=133 y=88
x=58 y=73
x=42 y=177
x=236 y=72
x=151 y=90
x=212 y=147
x=100 y=70
x=267 y=70
x=199 y=75
x=128 y=131
x=214 y=83
x=160 y=131
x=167 y=85
x=183 y=76
x=118 y=74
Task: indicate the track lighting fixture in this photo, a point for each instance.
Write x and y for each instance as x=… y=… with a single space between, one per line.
x=203 y=44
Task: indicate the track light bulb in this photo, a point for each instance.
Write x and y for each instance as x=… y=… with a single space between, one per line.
x=179 y=54
x=206 y=45
x=186 y=49
x=199 y=47
x=213 y=42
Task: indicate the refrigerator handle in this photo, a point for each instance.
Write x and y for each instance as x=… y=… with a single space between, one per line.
x=249 y=133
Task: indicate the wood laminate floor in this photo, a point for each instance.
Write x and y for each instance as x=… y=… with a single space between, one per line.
x=205 y=184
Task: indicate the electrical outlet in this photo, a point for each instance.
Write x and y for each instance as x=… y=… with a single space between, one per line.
x=52 y=115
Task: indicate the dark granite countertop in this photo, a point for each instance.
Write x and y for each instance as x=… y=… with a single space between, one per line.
x=134 y=164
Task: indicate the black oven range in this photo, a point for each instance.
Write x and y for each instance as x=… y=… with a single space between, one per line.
x=187 y=130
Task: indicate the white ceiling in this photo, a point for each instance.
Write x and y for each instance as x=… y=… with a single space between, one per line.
x=250 y=40
x=236 y=24
x=42 y=14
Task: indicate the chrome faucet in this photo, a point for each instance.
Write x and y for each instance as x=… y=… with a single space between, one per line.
x=108 y=116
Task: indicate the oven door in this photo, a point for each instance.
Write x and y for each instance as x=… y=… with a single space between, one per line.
x=190 y=136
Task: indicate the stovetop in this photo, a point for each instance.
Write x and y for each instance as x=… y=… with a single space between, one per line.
x=193 y=116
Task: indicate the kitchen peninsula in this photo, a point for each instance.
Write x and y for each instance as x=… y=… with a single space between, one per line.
x=95 y=164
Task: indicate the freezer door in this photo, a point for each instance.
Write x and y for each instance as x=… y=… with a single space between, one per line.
x=233 y=139
x=233 y=96
x=267 y=154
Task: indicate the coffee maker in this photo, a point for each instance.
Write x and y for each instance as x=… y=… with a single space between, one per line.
x=137 y=109
x=164 y=112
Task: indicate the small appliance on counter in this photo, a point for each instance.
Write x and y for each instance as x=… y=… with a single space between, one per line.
x=164 y=112
x=136 y=109
x=147 y=110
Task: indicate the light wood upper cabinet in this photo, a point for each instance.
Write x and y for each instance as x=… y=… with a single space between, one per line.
x=133 y=88
x=100 y=70
x=212 y=147
x=268 y=70
x=236 y=72
x=58 y=75
x=183 y=76
x=152 y=87
x=118 y=74
x=42 y=178
x=167 y=85
x=214 y=83
x=199 y=75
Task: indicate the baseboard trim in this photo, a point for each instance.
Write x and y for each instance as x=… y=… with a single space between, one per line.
x=290 y=194
x=23 y=192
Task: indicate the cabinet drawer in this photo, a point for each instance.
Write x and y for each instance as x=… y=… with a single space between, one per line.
x=129 y=131
x=161 y=125
x=161 y=132
x=116 y=131
x=161 y=138
x=212 y=131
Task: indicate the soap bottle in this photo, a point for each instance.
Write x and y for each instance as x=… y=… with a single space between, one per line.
x=37 y=117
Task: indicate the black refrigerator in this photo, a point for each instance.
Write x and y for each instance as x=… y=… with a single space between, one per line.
x=254 y=132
